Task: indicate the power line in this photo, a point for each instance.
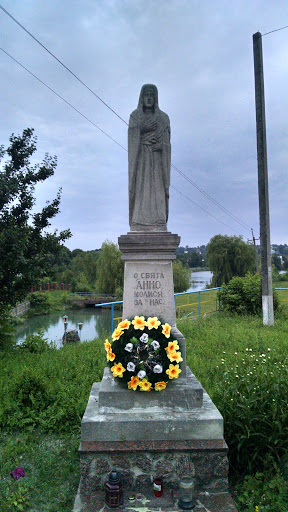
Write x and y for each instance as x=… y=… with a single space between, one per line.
x=63 y=99
x=243 y=224
x=62 y=64
x=211 y=215
x=227 y=212
x=276 y=30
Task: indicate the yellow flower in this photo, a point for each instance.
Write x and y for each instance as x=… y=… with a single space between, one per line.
x=153 y=322
x=124 y=325
x=118 y=370
x=175 y=356
x=173 y=371
x=116 y=334
x=139 y=322
x=107 y=346
x=110 y=356
x=166 y=328
x=145 y=385
x=134 y=382
x=160 y=385
x=172 y=346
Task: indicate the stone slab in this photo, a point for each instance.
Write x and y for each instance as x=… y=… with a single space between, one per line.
x=149 y=289
x=205 y=502
x=147 y=244
x=151 y=424
x=184 y=394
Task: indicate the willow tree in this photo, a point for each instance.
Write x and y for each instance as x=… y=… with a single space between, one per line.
x=229 y=256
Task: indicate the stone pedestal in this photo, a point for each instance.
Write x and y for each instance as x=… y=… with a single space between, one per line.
x=148 y=274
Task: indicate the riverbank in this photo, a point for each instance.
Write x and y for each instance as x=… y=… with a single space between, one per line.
x=48 y=393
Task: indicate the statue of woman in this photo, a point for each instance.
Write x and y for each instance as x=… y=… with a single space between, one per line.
x=149 y=157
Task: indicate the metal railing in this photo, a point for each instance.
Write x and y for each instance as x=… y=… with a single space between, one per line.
x=178 y=307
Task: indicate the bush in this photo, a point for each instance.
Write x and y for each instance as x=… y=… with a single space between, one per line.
x=6 y=329
x=36 y=343
x=264 y=492
x=39 y=303
x=242 y=295
x=181 y=277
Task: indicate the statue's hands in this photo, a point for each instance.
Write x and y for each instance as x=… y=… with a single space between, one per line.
x=156 y=147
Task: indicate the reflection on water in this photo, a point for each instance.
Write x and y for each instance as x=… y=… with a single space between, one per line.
x=200 y=280
x=96 y=323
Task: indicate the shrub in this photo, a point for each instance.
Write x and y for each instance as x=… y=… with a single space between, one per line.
x=242 y=295
x=6 y=329
x=39 y=303
x=36 y=343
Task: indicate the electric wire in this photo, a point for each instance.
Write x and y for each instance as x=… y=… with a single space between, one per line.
x=227 y=212
x=63 y=99
x=276 y=30
x=62 y=64
x=211 y=215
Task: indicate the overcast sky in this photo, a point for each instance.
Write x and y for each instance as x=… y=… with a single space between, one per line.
x=199 y=53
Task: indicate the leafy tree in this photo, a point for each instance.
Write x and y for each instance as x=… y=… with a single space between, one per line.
x=181 y=277
x=229 y=256
x=276 y=260
x=26 y=248
x=110 y=269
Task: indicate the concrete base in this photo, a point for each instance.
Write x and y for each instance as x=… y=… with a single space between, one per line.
x=152 y=437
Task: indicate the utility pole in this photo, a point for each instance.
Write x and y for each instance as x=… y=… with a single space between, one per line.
x=263 y=192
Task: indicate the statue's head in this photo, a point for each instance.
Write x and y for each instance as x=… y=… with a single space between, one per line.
x=148 y=97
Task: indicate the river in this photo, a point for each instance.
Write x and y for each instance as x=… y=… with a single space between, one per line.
x=96 y=321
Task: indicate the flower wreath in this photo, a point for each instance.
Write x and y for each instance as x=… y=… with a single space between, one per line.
x=143 y=354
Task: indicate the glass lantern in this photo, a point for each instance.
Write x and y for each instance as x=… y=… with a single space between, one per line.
x=186 y=499
x=113 y=491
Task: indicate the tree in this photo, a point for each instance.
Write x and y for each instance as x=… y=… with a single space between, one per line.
x=276 y=260
x=229 y=256
x=26 y=248
x=110 y=269
x=181 y=277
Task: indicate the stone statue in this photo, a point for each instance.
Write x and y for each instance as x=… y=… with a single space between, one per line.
x=149 y=156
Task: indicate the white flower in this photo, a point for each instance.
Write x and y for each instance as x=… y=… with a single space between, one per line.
x=144 y=338
x=155 y=344
x=141 y=374
x=158 y=368
x=130 y=367
x=129 y=347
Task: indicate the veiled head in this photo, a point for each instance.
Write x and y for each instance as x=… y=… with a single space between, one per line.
x=148 y=97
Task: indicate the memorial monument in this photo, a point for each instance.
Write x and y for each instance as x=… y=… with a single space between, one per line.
x=174 y=433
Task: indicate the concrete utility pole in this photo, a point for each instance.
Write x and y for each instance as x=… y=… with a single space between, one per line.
x=266 y=269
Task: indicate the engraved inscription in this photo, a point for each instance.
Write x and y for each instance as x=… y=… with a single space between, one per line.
x=148 y=288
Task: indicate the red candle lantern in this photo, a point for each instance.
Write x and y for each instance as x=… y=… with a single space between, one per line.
x=158 y=487
x=113 y=491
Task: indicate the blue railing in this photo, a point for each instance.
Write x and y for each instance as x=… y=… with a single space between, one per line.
x=112 y=304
